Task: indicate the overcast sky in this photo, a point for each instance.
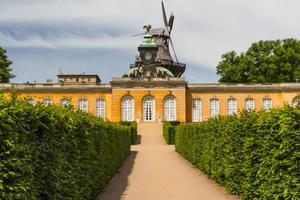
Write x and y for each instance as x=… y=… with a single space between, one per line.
x=44 y=37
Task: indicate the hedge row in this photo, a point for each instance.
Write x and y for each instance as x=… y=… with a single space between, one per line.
x=133 y=130
x=169 y=131
x=56 y=152
x=255 y=155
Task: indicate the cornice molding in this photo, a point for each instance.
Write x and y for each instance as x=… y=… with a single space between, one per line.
x=282 y=87
x=53 y=88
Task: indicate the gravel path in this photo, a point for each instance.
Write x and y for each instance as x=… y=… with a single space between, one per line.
x=154 y=171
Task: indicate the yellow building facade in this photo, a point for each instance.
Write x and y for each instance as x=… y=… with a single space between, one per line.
x=158 y=100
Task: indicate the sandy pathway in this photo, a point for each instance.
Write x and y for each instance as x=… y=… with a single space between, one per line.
x=154 y=171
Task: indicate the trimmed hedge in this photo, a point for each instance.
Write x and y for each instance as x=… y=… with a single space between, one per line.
x=56 y=152
x=133 y=130
x=255 y=155
x=169 y=131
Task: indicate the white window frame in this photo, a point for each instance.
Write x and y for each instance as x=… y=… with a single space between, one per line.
x=100 y=108
x=197 y=110
x=32 y=101
x=249 y=104
x=267 y=103
x=127 y=108
x=214 y=105
x=47 y=101
x=231 y=106
x=296 y=101
x=151 y=103
x=65 y=102
x=83 y=105
x=170 y=109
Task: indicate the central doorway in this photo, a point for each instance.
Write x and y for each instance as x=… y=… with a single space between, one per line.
x=149 y=109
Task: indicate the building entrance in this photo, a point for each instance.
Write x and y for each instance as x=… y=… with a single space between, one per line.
x=149 y=109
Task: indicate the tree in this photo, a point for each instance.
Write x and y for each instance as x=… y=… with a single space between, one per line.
x=264 y=62
x=5 y=70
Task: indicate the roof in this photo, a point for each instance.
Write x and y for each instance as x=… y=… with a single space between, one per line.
x=240 y=87
x=79 y=76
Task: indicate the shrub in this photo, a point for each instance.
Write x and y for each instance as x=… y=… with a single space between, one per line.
x=255 y=155
x=56 y=152
x=169 y=131
x=133 y=130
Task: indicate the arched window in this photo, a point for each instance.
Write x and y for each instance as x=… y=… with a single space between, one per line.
x=267 y=103
x=170 y=109
x=296 y=101
x=100 y=108
x=214 y=107
x=127 y=108
x=148 y=108
x=65 y=102
x=47 y=101
x=249 y=104
x=83 y=105
x=197 y=110
x=232 y=106
x=32 y=101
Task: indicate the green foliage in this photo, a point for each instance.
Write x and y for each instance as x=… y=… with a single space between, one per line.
x=133 y=130
x=56 y=152
x=169 y=131
x=5 y=70
x=264 y=62
x=255 y=155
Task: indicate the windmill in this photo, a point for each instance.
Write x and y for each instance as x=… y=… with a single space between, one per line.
x=162 y=36
x=162 y=39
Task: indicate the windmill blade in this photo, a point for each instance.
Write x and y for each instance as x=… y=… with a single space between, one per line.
x=164 y=14
x=171 y=21
x=173 y=49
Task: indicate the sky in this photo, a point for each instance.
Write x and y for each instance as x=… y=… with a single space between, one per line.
x=46 y=37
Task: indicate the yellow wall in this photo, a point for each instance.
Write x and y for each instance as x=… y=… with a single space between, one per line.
x=183 y=97
x=278 y=99
x=139 y=94
x=56 y=98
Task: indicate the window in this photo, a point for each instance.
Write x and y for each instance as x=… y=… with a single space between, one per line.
x=65 y=102
x=32 y=101
x=214 y=107
x=148 y=109
x=231 y=106
x=47 y=101
x=296 y=101
x=170 y=109
x=100 y=108
x=83 y=105
x=249 y=104
x=127 y=108
x=267 y=103
x=197 y=110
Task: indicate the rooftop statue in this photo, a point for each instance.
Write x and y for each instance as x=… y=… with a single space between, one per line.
x=147 y=29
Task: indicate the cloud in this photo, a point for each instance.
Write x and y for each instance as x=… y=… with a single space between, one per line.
x=68 y=41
